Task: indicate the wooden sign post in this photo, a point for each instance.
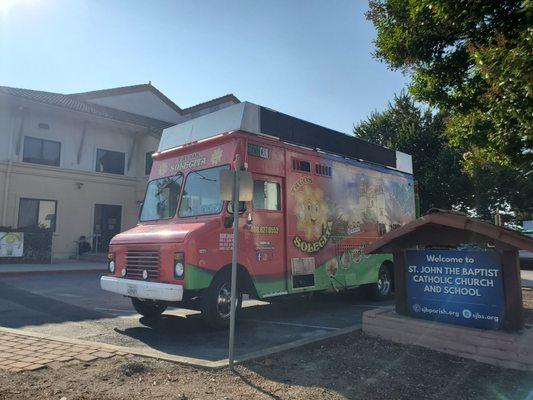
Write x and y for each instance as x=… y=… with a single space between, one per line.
x=455 y=269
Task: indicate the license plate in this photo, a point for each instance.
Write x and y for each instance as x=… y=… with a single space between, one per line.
x=131 y=290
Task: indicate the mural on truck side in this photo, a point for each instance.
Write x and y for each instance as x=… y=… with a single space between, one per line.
x=354 y=201
x=370 y=201
x=336 y=216
x=312 y=216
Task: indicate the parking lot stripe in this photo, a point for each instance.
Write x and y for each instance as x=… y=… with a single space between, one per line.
x=115 y=310
x=330 y=328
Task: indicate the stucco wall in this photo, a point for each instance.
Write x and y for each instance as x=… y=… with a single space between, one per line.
x=75 y=186
x=68 y=129
x=75 y=205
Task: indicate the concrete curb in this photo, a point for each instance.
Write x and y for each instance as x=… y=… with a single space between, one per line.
x=504 y=349
x=195 y=362
x=297 y=343
x=50 y=271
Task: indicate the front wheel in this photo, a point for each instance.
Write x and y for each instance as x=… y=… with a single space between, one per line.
x=381 y=290
x=217 y=302
x=148 y=308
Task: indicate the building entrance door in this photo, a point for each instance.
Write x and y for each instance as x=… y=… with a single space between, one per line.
x=107 y=223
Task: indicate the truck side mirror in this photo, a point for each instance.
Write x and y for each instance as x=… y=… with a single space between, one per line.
x=228 y=221
x=242 y=207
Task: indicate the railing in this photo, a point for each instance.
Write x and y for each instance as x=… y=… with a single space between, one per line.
x=95 y=239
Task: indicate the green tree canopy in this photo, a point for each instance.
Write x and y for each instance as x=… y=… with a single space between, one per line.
x=437 y=166
x=473 y=59
x=406 y=127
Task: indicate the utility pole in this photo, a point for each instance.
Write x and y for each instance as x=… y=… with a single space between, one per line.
x=235 y=200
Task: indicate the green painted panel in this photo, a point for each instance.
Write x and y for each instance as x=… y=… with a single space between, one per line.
x=270 y=287
x=197 y=278
x=346 y=273
x=350 y=272
x=367 y=269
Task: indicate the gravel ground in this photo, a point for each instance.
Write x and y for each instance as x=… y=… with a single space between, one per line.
x=354 y=367
x=351 y=367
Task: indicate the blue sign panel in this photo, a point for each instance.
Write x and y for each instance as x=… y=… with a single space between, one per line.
x=457 y=287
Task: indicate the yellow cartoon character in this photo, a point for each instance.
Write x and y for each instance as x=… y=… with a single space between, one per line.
x=311 y=212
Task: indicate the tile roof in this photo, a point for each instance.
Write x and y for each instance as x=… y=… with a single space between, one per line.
x=76 y=104
x=97 y=94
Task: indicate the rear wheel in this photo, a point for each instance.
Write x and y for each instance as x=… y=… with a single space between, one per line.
x=148 y=308
x=217 y=302
x=381 y=290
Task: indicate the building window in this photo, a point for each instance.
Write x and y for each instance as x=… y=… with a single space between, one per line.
x=148 y=163
x=111 y=162
x=35 y=212
x=267 y=196
x=41 y=151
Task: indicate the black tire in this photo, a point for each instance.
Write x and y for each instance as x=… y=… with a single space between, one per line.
x=148 y=308
x=381 y=290
x=216 y=302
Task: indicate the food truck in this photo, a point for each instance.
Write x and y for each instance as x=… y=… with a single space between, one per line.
x=319 y=197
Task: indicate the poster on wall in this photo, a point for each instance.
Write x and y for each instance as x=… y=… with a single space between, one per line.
x=11 y=244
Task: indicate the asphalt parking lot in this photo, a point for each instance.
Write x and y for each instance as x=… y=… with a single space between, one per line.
x=72 y=305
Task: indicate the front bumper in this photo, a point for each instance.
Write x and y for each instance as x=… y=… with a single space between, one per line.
x=142 y=289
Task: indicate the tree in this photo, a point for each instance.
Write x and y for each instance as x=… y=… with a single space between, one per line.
x=472 y=58
x=405 y=127
x=437 y=166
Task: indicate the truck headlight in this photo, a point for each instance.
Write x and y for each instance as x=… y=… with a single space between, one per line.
x=179 y=265
x=111 y=263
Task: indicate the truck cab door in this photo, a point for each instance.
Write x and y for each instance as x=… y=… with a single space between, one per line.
x=265 y=236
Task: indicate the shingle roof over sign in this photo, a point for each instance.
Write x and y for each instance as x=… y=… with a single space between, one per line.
x=436 y=220
x=75 y=104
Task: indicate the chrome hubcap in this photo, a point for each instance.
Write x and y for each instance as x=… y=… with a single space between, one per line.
x=384 y=283
x=224 y=301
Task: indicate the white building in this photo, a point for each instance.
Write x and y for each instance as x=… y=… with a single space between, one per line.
x=78 y=163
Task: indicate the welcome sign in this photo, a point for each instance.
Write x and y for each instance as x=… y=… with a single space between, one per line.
x=458 y=287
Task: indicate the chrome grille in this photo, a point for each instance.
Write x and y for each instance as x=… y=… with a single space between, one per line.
x=138 y=261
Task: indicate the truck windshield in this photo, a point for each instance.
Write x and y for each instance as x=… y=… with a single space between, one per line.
x=201 y=195
x=161 y=198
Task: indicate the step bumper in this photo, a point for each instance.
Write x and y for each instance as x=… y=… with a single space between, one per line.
x=141 y=289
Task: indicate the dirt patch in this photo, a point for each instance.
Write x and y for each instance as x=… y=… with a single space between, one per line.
x=352 y=367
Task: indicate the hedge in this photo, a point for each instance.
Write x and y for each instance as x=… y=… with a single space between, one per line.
x=37 y=246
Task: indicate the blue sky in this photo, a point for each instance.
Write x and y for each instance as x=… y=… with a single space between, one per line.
x=311 y=59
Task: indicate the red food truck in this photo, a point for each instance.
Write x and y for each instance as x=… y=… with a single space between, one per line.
x=319 y=197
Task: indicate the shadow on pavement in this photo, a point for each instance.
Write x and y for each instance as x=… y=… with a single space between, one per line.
x=49 y=310
x=258 y=328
